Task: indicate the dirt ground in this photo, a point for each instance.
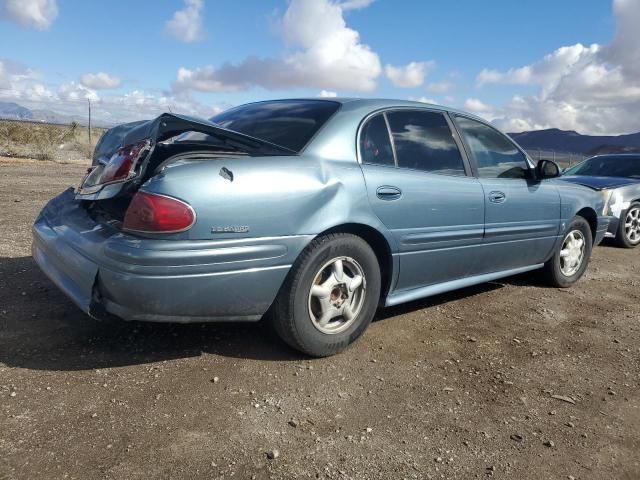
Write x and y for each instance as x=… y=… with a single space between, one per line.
x=457 y=386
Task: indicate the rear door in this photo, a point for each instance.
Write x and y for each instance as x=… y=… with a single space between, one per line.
x=420 y=186
x=522 y=214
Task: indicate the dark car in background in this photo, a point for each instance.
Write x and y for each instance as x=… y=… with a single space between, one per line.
x=617 y=177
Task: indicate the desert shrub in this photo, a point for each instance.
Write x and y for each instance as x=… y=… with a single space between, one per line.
x=47 y=142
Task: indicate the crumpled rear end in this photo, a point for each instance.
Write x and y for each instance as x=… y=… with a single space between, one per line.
x=106 y=271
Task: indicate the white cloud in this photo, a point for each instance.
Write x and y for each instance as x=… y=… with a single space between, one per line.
x=327 y=94
x=439 y=87
x=423 y=100
x=186 y=24
x=477 y=106
x=22 y=85
x=625 y=48
x=410 y=75
x=355 y=4
x=16 y=78
x=73 y=91
x=592 y=89
x=38 y=14
x=324 y=53
x=99 y=81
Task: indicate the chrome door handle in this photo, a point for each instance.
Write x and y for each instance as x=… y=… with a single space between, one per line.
x=497 y=197
x=388 y=193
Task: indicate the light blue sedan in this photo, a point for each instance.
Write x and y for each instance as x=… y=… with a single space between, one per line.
x=314 y=212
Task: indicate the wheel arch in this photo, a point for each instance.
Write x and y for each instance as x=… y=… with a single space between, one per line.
x=380 y=246
x=590 y=215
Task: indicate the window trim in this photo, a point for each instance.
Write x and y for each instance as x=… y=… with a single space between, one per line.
x=466 y=161
x=390 y=135
x=361 y=126
x=471 y=156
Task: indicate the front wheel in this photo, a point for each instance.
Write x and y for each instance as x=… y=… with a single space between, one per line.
x=628 y=235
x=571 y=259
x=329 y=297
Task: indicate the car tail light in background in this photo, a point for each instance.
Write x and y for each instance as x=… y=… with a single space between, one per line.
x=120 y=167
x=153 y=213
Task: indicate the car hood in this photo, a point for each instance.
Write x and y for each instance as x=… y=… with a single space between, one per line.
x=600 y=183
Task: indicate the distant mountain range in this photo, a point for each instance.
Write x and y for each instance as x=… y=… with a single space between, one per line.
x=573 y=142
x=13 y=111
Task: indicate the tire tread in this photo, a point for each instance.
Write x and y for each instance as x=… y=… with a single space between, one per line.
x=281 y=314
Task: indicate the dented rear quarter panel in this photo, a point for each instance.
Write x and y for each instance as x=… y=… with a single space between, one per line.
x=273 y=196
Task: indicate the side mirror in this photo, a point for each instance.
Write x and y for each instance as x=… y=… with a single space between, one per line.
x=547 y=169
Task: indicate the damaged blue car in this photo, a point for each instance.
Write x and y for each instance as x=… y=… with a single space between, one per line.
x=312 y=213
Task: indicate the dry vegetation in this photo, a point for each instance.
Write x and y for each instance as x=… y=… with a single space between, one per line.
x=43 y=141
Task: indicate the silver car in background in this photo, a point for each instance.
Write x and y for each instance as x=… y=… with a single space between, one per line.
x=617 y=177
x=314 y=212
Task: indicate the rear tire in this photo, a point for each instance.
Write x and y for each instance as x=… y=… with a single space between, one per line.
x=628 y=235
x=572 y=257
x=329 y=297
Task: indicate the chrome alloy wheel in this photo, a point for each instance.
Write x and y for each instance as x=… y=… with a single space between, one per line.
x=632 y=225
x=572 y=253
x=337 y=295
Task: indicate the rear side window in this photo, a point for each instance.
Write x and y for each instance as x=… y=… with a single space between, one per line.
x=495 y=155
x=423 y=141
x=290 y=123
x=375 y=143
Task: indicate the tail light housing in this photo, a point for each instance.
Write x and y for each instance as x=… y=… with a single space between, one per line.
x=120 y=167
x=154 y=213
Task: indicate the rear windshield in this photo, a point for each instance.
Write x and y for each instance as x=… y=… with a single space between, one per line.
x=290 y=123
x=608 y=166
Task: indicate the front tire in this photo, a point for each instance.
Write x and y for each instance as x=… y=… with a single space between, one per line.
x=329 y=297
x=572 y=257
x=628 y=235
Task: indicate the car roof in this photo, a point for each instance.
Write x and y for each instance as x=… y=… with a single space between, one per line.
x=348 y=100
x=373 y=103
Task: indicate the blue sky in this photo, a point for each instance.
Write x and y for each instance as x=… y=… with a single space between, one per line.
x=230 y=52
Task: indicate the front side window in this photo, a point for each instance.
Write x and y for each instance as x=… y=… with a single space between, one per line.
x=423 y=141
x=375 y=144
x=496 y=156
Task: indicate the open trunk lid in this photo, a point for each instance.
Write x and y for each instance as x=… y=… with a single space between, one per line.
x=127 y=155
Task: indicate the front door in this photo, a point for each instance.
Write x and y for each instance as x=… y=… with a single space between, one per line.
x=420 y=187
x=522 y=214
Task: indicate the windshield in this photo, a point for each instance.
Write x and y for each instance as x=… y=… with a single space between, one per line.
x=289 y=123
x=608 y=166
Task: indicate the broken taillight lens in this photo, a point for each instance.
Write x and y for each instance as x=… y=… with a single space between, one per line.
x=121 y=165
x=153 y=213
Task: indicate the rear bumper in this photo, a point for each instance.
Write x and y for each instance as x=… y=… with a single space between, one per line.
x=103 y=270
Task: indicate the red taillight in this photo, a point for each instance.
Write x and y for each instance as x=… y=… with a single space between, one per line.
x=122 y=164
x=152 y=213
